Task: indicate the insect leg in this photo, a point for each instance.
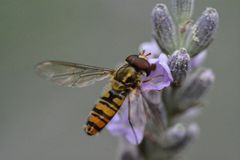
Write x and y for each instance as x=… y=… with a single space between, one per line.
x=129 y=119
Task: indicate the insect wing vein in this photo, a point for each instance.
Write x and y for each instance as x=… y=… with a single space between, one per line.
x=71 y=74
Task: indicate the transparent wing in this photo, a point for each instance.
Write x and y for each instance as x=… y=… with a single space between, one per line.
x=146 y=106
x=129 y=127
x=154 y=109
x=137 y=110
x=136 y=116
x=147 y=116
x=71 y=74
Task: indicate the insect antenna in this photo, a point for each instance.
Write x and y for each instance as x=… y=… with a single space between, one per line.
x=143 y=53
x=129 y=120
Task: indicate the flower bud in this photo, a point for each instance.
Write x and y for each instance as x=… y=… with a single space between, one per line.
x=178 y=136
x=164 y=29
x=179 y=63
x=199 y=59
x=203 y=31
x=182 y=10
x=193 y=89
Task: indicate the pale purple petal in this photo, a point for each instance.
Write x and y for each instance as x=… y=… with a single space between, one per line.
x=198 y=59
x=131 y=137
x=115 y=126
x=119 y=126
x=150 y=47
x=161 y=77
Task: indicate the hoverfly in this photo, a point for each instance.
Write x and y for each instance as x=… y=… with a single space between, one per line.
x=124 y=81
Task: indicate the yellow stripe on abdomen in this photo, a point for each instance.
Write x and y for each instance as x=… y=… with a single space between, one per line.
x=104 y=110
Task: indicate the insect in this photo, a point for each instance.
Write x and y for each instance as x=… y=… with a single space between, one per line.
x=124 y=81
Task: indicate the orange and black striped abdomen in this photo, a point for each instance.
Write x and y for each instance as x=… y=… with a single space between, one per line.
x=104 y=110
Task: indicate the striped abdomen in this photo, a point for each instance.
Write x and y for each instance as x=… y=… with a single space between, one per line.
x=104 y=110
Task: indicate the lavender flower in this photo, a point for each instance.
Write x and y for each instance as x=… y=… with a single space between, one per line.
x=166 y=126
x=119 y=125
x=158 y=79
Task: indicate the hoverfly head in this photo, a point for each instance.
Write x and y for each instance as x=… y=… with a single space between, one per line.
x=140 y=62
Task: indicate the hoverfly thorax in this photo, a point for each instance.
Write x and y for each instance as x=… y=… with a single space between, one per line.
x=128 y=76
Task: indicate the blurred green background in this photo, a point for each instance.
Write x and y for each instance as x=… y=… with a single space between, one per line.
x=40 y=121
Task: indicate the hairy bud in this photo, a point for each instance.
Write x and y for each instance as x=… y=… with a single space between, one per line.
x=179 y=63
x=203 y=31
x=164 y=29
